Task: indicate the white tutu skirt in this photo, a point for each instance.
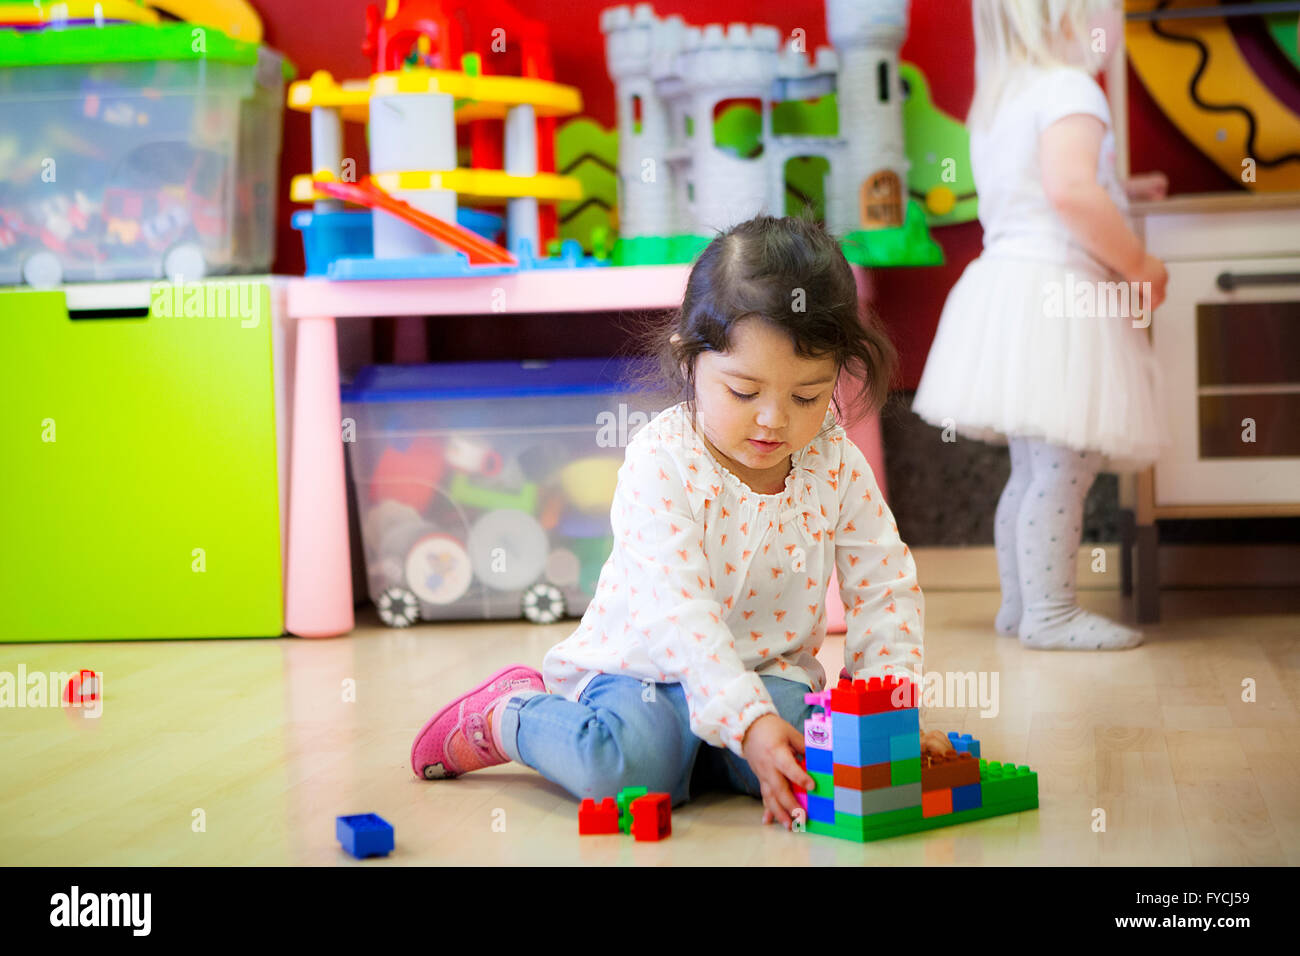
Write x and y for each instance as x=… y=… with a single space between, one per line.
x=1005 y=362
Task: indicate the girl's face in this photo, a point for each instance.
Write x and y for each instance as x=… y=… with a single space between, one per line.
x=759 y=402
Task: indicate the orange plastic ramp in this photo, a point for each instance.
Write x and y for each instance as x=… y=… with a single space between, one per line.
x=365 y=193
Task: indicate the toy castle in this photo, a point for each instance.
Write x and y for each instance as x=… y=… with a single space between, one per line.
x=670 y=79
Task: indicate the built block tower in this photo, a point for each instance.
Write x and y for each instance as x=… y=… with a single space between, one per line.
x=864 y=752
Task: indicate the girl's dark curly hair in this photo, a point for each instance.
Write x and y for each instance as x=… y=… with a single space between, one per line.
x=790 y=272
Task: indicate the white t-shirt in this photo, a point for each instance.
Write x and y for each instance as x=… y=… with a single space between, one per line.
x=711 y=585
x=1017 y=218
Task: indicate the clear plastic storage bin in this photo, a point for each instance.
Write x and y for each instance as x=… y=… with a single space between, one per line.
x=130 y=151
x=484 y=488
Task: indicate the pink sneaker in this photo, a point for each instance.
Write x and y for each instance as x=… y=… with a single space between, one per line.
x=456 y=740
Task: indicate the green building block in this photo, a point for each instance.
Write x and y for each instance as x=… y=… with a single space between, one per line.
x=624 y=800
x=886 y=819
x=465 y=492
x=866 y=834
x=905 y=771
x=1006 y=783
x=825 y=785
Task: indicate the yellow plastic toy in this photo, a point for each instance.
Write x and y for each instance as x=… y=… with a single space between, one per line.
x=232 y=17
x=1228 y=113
x=64 y=10
x=589 y=483
x=412 y=116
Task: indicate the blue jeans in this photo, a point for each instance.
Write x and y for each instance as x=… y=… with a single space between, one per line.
x=619 y=734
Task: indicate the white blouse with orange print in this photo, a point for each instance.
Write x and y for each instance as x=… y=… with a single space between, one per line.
x=711 y=585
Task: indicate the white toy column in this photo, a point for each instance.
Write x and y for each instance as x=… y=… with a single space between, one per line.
x=645 y=183
x=867 y=35
x=521 y=160
x=326 y=150
x=412 y=132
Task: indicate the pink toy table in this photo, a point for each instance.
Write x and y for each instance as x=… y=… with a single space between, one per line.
x=318 y=582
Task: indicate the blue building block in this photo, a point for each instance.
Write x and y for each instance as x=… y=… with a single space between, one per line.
x=905 y=746
x=365 y=835
x=887 y=724
x=822 y=761
x=854 y=750
x=821 y=809
x=965 y=743
x=966 y=798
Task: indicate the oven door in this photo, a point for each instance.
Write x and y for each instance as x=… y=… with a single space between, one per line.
x=1228 y=341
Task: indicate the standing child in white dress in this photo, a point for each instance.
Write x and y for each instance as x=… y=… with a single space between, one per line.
x=1042 y=342
x=690 y=668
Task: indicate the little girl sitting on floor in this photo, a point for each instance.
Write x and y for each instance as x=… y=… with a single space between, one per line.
x=690 y=666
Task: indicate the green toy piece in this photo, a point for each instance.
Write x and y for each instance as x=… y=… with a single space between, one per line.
x=588 y=152
x=938 y=153
x=907 y=245
x=465 y=492
x=903 y=772
x=624 y=800
x=131 y=43
x=1004 y=788
x=658 y=250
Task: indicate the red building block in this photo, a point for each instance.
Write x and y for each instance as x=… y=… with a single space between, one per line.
x=595 y=820
x=652 y=816
x=948 y=770
x=874 y=696
x=935 y=803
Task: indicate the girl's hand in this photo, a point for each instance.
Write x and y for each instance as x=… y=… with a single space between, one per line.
x=772 y=748
x=1153 y=271
x=1146 y=187
x=935 y=743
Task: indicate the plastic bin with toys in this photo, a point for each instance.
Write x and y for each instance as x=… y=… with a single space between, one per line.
x=484 y=488
x=136 y=150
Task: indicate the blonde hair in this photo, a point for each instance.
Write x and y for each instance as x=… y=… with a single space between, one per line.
x=1013 y=33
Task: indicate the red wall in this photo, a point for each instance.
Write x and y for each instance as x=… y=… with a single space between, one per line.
x=940 y=42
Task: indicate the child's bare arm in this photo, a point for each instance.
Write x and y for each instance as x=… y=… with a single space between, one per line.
x=1068 y=153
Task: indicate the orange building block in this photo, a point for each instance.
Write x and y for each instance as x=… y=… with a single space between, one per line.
x=935 y=803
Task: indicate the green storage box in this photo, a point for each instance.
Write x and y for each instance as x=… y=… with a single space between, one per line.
x=139 y=495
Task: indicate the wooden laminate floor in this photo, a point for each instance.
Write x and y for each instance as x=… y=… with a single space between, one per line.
x=243 y=752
